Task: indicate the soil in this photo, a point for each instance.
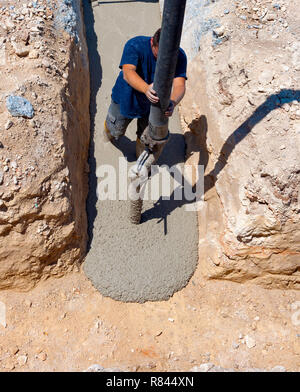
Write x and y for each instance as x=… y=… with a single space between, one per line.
x=43 y=160
x=65 y=324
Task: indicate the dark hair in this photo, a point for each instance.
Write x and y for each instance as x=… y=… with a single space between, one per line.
x=156 y=37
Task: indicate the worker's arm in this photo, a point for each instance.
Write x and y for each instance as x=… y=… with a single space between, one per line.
x=136 y=82
x=177 y=94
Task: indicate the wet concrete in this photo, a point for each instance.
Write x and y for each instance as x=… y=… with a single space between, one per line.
x=132 y=263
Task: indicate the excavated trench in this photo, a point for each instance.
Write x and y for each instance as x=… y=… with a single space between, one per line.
x=131 y=263
x=157 y=258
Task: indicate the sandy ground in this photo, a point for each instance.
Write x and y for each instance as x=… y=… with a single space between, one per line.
x=66 y=325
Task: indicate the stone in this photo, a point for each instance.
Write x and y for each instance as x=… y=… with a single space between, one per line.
x=250 y=342
x=9 y=25
x=22 y=359
x=95 y=369
x=42 y=356
x=9 y=365
x=266 y=77
x=25 y=11
x=34 y=54
x=21 y=50
x=46 y=63
x=25 y=36
x=19 y=106
x=14 y=350
x=278 y=369
x=271 y=16
x=286 y=107
x=204 y=367
x=35 y=29
x=151 y=365
x=9 y=124
x=219 y=31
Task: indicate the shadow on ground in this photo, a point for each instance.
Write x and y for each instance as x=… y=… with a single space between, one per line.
x=198 y=133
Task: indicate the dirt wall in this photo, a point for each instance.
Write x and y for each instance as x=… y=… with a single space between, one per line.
x=44 y=180
x=241 y=119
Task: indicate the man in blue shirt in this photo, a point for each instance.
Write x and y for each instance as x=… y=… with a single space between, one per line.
x=133 y=92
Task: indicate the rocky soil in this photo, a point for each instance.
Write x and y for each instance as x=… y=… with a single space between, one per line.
x=241 y=115
x=66 y=325
x=44 y=134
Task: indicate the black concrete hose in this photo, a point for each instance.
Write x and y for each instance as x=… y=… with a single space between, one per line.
x=172 y=21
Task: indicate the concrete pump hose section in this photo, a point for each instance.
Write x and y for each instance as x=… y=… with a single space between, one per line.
x=157 y=131
x=154 y=259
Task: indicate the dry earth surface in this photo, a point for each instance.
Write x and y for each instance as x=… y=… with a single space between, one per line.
x=66 y=325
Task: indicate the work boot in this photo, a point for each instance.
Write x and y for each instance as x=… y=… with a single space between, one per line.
x=139 y=147
x=107 y=137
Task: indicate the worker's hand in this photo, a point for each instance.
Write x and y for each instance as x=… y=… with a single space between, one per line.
x=151 y=94
x=170 y=110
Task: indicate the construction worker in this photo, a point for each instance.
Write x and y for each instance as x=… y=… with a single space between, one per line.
x=133 y=92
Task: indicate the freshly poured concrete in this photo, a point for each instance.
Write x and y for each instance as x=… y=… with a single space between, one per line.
x=150 y=261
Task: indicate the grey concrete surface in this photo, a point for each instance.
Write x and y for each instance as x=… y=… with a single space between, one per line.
x=131 y=263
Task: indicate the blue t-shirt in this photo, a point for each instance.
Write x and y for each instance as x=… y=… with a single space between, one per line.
x=138 y=52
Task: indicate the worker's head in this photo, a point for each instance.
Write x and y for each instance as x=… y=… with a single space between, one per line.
x=155 y=42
